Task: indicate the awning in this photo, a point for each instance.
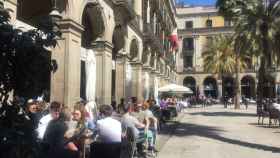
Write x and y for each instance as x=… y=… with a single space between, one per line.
x=175 y=89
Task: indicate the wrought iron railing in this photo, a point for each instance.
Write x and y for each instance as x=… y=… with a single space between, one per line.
x=151 y=37
x=208 y=29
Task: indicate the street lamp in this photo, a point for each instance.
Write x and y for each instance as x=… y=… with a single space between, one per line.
x=54 y=16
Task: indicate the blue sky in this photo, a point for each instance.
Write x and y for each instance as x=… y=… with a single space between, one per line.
x=198 y=2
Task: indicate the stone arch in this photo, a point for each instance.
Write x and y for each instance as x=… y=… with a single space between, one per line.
x=134 y=49
x=94 y=23
x=118 y=39
x=210 y=87
x=33 y=11
x=190 y=82
x=85 y=3
x=248 y=86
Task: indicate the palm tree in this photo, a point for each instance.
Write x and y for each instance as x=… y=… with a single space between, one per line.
x=258 y=22
x=221 y=58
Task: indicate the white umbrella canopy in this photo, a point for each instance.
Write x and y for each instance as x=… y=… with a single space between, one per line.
x=90 y=75
x=175 y=89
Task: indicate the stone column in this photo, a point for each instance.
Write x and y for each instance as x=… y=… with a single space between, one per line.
x=199 y=84
x=137 y=80
x=120 y=77
x=154 y=76
x=160 y=80
x=146 y=81
x=103 y=50
x=220 y=88
x=65 y=82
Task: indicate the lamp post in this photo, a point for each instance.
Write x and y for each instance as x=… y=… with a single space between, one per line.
x=54 y=16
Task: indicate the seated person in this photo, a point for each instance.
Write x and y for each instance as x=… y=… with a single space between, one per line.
x=55 y=109
x=144 y=115
x=133 y=131
x=152 y=124
x=128 y=120
x=109 y=130
x=56 y=142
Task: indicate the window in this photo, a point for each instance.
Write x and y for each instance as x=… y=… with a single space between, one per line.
x=209 y=23
x=189 y=24
x=188 y=43
x=188 y=61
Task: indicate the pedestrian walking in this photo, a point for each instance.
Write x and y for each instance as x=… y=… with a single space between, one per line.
x=225 y=101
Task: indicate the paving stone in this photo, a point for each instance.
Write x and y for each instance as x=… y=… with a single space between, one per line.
x=216 y=132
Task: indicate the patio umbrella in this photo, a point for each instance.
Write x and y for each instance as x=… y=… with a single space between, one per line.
x=90 y=75
x=175 y=89
x=156 y=89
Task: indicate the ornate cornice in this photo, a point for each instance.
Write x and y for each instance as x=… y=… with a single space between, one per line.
x=102 y=46
x=135 y=63
x=69 y=25
x=135 y=25
x=147 y=68
x=197 y=14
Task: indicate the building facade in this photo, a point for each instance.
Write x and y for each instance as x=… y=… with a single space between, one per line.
x=109 y=49
x=196 y=26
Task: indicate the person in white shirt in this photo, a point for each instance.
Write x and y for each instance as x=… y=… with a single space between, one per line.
x=109 y=130
x=130 y=121
x=55 y=109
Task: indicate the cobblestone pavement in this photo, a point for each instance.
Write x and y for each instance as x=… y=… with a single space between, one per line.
x=215 y=132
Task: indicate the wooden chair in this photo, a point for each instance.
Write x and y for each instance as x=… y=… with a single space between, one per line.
x=128 y=146
x=274 y=114
x=261 y=114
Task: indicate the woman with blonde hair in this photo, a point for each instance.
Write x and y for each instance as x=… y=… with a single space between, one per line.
x=79 y=114
x=152 y=125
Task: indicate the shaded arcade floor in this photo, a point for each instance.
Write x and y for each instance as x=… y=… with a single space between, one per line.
x=215 y=132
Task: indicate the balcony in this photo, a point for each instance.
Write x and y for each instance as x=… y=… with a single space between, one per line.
x=203 y=30
x=187 y=52
x=151 y=38
x=135 y=23
x=189 y=70
x=125 y=8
